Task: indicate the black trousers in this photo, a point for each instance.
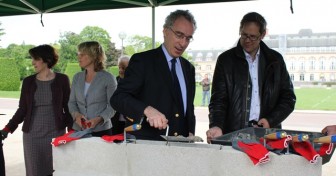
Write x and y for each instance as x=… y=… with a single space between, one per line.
x=118 y=127
x=2 y=159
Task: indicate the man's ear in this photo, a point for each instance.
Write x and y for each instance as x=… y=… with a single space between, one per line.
x=263 y=34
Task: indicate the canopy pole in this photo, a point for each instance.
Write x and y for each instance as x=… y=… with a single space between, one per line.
x=153 y=27
x=291 y=6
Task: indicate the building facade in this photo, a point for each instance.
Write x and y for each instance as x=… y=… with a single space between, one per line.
x=310 y=57
x=205 y=62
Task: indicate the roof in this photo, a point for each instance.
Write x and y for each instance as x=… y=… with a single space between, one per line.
x=24 y=7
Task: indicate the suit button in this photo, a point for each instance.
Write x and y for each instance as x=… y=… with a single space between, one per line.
x=175 y=134
x=177 y=115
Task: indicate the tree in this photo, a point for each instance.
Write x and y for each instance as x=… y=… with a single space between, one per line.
x=21 y=56
x=138 y=44
x=70 y=40
x=143 y=43
x=94 y=33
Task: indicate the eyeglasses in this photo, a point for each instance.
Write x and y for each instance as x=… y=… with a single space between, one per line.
x=251 y=37
x=181 y=36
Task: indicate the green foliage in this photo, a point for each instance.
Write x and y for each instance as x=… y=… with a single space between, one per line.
x=9 y=75
x=113 y=70
x=60 y=66
x=94 y=33
x=69 y=42
x=138 y=44
x=72 y=69
x=21 y=55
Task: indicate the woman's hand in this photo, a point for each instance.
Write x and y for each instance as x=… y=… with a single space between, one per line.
x=92 y=123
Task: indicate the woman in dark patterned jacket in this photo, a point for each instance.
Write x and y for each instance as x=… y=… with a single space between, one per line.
x=43 y=110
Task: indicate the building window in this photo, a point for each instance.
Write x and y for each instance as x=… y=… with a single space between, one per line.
x=198 y=67
x=199 y=57
x=292 y=77
x=208 y=67
x=322 y=63
x=209 y=56
x=292 y=65
x=311 y=77
x=302 y=65
x=333 y=63
x=301 y=77
x=312 y=64
x=209 y=59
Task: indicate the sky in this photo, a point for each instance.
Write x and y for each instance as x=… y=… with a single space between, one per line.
x=217 y=23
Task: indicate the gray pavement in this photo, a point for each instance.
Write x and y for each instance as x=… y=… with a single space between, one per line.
x=299 y=120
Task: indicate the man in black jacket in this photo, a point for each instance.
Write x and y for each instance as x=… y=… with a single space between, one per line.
x=251 y=85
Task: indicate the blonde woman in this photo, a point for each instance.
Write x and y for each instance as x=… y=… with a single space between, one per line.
x=91 y=91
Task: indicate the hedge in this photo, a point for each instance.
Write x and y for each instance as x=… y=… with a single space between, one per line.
x=9 y=75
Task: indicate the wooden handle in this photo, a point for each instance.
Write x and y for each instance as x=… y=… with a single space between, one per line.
x=276 y=135
x=326 y=139
x=300 y=138
x=134 y=127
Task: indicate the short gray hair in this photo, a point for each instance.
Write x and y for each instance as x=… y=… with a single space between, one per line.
x=171 y=18
x=123 y=58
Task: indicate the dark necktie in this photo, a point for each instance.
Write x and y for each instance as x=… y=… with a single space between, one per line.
x=177 y=87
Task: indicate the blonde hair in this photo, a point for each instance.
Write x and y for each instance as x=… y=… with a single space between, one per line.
x=96 y=52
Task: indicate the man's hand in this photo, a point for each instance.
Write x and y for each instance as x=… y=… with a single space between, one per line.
x=264 y=123
x=213 y=133
x=155 y=118
x=329 y=130
x=4 y=134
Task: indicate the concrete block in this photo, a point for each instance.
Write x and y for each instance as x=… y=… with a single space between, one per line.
x=93 y=156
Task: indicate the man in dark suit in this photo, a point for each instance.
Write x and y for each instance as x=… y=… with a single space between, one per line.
x=159 y=84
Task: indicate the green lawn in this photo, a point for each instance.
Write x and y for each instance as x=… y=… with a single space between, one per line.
x=307 y=98
x=9 y=94
x=315 y=99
